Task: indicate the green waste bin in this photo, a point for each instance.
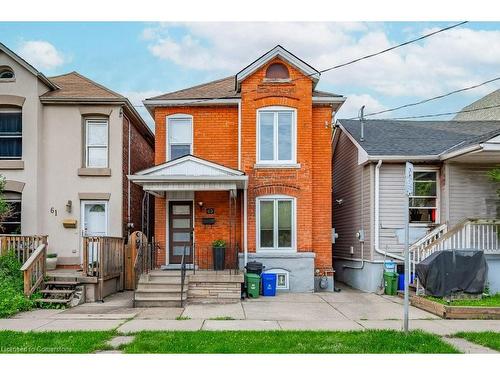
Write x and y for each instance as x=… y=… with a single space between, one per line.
x=253 y=284
x=390 y=283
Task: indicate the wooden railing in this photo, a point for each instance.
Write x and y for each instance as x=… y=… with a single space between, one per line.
x=34 y=270
x=469 y=234
x=22 y=246
x=103 y=258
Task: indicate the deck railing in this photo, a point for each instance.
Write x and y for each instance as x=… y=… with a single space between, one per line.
x=22 y=246
x=469 y=234
x=145 y=259
x=34 y=270
x=103 y=258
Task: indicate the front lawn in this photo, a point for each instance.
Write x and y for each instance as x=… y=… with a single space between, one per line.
x=489 y=301
x=361 y=342
x=489 y=339
x=53 y=342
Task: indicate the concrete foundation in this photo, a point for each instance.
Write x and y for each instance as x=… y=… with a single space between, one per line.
x=300 y=268
x=368 y=278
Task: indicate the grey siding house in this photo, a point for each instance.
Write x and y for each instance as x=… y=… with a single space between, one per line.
x=453 y=196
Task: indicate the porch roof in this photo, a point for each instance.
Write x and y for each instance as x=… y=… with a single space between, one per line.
x=189 y=173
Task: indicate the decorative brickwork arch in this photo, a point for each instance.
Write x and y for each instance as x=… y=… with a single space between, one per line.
x=276 y=189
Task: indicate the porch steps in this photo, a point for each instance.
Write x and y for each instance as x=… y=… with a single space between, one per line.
x=58 y=292
x=160 y=289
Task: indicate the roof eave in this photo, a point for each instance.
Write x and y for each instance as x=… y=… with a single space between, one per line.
x=152 y=103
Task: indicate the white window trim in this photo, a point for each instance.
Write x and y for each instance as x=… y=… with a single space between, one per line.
x=276 y=250
x=14 y=200
x=178 y=116
x=20 y=136
x=438 y=196
x=103 y=146
x=275 y=160
x=281 y=271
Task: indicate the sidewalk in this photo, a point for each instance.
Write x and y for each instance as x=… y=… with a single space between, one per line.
x=348 y=310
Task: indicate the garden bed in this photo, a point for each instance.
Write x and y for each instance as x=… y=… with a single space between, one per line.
x=474 y=309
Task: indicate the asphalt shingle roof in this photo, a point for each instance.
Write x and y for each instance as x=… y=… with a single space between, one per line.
x=218 y=89
x=412 y=138
x=74 y=85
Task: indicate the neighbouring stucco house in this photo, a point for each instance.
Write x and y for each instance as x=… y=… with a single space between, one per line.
x=66 y=146
x=246 y=159
x=451 y=185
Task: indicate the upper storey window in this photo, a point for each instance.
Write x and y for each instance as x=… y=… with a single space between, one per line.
x=96 y=143
x=6 y=73
x=179 y=136
x=11 y=133
x=276 y=127
x=277 y=71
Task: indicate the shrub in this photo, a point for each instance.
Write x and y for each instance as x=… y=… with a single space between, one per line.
x=12 y=298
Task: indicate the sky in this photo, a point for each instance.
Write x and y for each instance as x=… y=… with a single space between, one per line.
x=144 y=59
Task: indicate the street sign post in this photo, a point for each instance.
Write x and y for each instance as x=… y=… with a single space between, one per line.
x=409 y=192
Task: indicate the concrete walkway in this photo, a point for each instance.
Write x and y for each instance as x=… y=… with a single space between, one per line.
x=344 y=311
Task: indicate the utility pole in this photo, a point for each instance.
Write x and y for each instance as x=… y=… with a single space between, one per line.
x=409 y=192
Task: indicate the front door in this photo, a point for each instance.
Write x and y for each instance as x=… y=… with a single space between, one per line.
x=180 y=231
x=94 y=223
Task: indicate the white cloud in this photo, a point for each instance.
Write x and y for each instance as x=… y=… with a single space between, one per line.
x=41 y=54
x=447 y=61
x=354 y=102
x=136 y=98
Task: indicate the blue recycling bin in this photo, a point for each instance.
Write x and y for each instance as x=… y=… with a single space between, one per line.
x=268 y=282
x=401 y=280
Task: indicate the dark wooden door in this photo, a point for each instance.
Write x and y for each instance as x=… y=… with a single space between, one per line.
x=180 y=231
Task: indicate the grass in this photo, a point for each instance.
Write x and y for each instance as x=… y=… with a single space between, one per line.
x=486 y=301
x=54 y=342
x=12 y=298
x=373 y=341
x=183 y=318
x=222 y=318
x=489 y=339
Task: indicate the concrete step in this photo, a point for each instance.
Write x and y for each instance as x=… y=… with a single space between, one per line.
x=160 y=287
x=151 y=294
x=157 y=303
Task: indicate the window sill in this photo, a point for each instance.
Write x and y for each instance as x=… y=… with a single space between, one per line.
x=11 y=164
x=277 y=166
x=2 y=80
x=96 y=172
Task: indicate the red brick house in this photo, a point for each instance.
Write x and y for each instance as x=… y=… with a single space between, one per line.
x=247 y=159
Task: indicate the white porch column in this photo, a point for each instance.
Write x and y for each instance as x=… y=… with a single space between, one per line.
x=245 y=225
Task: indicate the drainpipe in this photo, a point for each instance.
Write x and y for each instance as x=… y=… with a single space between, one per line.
x=239 y=135
x=128 y=173
x=377 y=216
x=245 y=225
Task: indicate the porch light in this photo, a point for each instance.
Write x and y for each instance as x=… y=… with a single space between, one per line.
x=201 y=204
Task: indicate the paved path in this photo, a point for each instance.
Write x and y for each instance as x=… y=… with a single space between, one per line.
x=344 y=311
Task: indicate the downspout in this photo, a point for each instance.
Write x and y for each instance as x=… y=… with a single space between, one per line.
x=128 y=173
x=239 y=135
x=245 y=226
x=377 y=216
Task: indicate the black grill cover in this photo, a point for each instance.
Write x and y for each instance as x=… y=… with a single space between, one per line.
x=446 y=272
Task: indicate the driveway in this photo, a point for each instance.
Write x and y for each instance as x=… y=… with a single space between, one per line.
x=349 y=309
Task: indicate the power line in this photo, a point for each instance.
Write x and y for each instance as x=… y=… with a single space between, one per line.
x=346 y=63
x=445 y=113
x=429 y=99
x=394 y=47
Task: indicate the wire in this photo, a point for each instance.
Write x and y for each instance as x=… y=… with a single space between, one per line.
x=394 y=47
x=346 y=63
x=445 y=113
x=429 y=99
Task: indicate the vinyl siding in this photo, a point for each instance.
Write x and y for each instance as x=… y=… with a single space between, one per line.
x=347 y=185
x=472 y=195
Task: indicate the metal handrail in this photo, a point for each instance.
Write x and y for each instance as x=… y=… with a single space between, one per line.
x=183 y=274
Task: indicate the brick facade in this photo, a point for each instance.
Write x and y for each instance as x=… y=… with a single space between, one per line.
x=216 y=139
x=141 y=157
